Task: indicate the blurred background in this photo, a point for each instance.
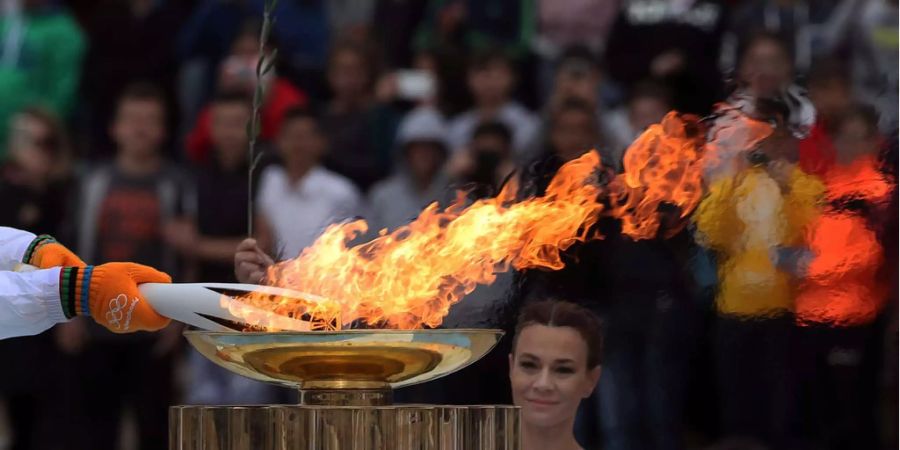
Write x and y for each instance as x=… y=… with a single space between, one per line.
x=122 y=133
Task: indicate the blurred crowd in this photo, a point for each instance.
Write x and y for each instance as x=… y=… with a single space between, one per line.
x=123 y=133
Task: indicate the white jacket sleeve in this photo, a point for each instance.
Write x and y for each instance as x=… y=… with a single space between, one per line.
x=29 y=302
x=13 y=244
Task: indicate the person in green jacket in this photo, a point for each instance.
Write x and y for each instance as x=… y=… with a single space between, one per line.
x=41 y=49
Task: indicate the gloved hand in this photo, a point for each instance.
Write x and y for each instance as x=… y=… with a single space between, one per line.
x=44 y=252
x=109 y=293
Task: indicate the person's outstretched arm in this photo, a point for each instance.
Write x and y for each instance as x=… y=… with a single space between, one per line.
x=21 y=247
x=29 y=302
x=63 y=287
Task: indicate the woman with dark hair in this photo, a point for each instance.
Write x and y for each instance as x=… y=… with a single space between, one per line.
x=554 y=364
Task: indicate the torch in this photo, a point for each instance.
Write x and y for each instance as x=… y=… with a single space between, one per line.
x=209 y=306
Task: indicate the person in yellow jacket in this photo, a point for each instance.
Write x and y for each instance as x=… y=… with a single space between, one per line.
x=756 y=222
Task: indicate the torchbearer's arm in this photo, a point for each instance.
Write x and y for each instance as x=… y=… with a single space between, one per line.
x=13 y=244
x=29 y=302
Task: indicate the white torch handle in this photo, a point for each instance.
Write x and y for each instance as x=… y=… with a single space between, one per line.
x=209 y=305
x=206 y=305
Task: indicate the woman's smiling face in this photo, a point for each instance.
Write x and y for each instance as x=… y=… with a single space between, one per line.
x=549 y=374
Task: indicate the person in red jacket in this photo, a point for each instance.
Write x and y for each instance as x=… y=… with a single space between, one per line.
x=238 y=73
x=829 y=90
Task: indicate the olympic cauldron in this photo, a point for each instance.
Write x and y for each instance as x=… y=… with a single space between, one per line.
x=345 y=380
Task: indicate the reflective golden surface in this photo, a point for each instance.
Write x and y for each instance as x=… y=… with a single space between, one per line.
x=282 y=427
x=353 y=359
x=345 y=380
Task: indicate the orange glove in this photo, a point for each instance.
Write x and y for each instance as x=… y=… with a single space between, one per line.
x=110 y=292
x=44 y=252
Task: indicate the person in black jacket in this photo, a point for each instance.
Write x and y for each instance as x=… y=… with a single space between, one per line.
x=683 y=52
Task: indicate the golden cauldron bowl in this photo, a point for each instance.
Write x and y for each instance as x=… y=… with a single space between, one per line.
x=347 y=368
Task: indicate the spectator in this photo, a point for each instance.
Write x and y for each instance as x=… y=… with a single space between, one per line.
x=238 y=73
x=647 y=104
x=124 y=207
x=684 y=56
x=567 y=24
x=830 y=93
x=756 y=386
x=485 y=164
x=812 y=29
x=33 y=186
x=127 y=41
x=573 y=130
x=41 y=48
x=222 y=192
x=578 y=76
x=765 y=68
x=359 y=130
x=554 y=364
x=34 y=181
x=210 y=241
x=764 y=90
x=848 y=289
x=299 y=199
x=491 y=79
x=206 y=39
x=419 y=179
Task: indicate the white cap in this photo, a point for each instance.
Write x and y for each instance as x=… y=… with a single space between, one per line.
x=424 y=123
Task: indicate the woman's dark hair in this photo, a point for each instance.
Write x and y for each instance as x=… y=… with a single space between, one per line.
x=557 y=313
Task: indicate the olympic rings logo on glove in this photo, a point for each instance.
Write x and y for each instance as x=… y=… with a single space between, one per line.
x=117 y=312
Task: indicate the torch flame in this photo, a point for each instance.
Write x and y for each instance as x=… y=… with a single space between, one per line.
x=409 y=277
x=661 y=167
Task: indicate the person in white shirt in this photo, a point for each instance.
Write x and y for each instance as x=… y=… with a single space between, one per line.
x=63 y=287
x=299 y=199
x=491 y=80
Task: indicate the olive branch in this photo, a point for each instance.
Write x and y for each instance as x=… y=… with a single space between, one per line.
x=263 y=66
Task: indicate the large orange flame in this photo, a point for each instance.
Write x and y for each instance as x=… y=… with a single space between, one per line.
x=661 y=167
x=409 y=277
